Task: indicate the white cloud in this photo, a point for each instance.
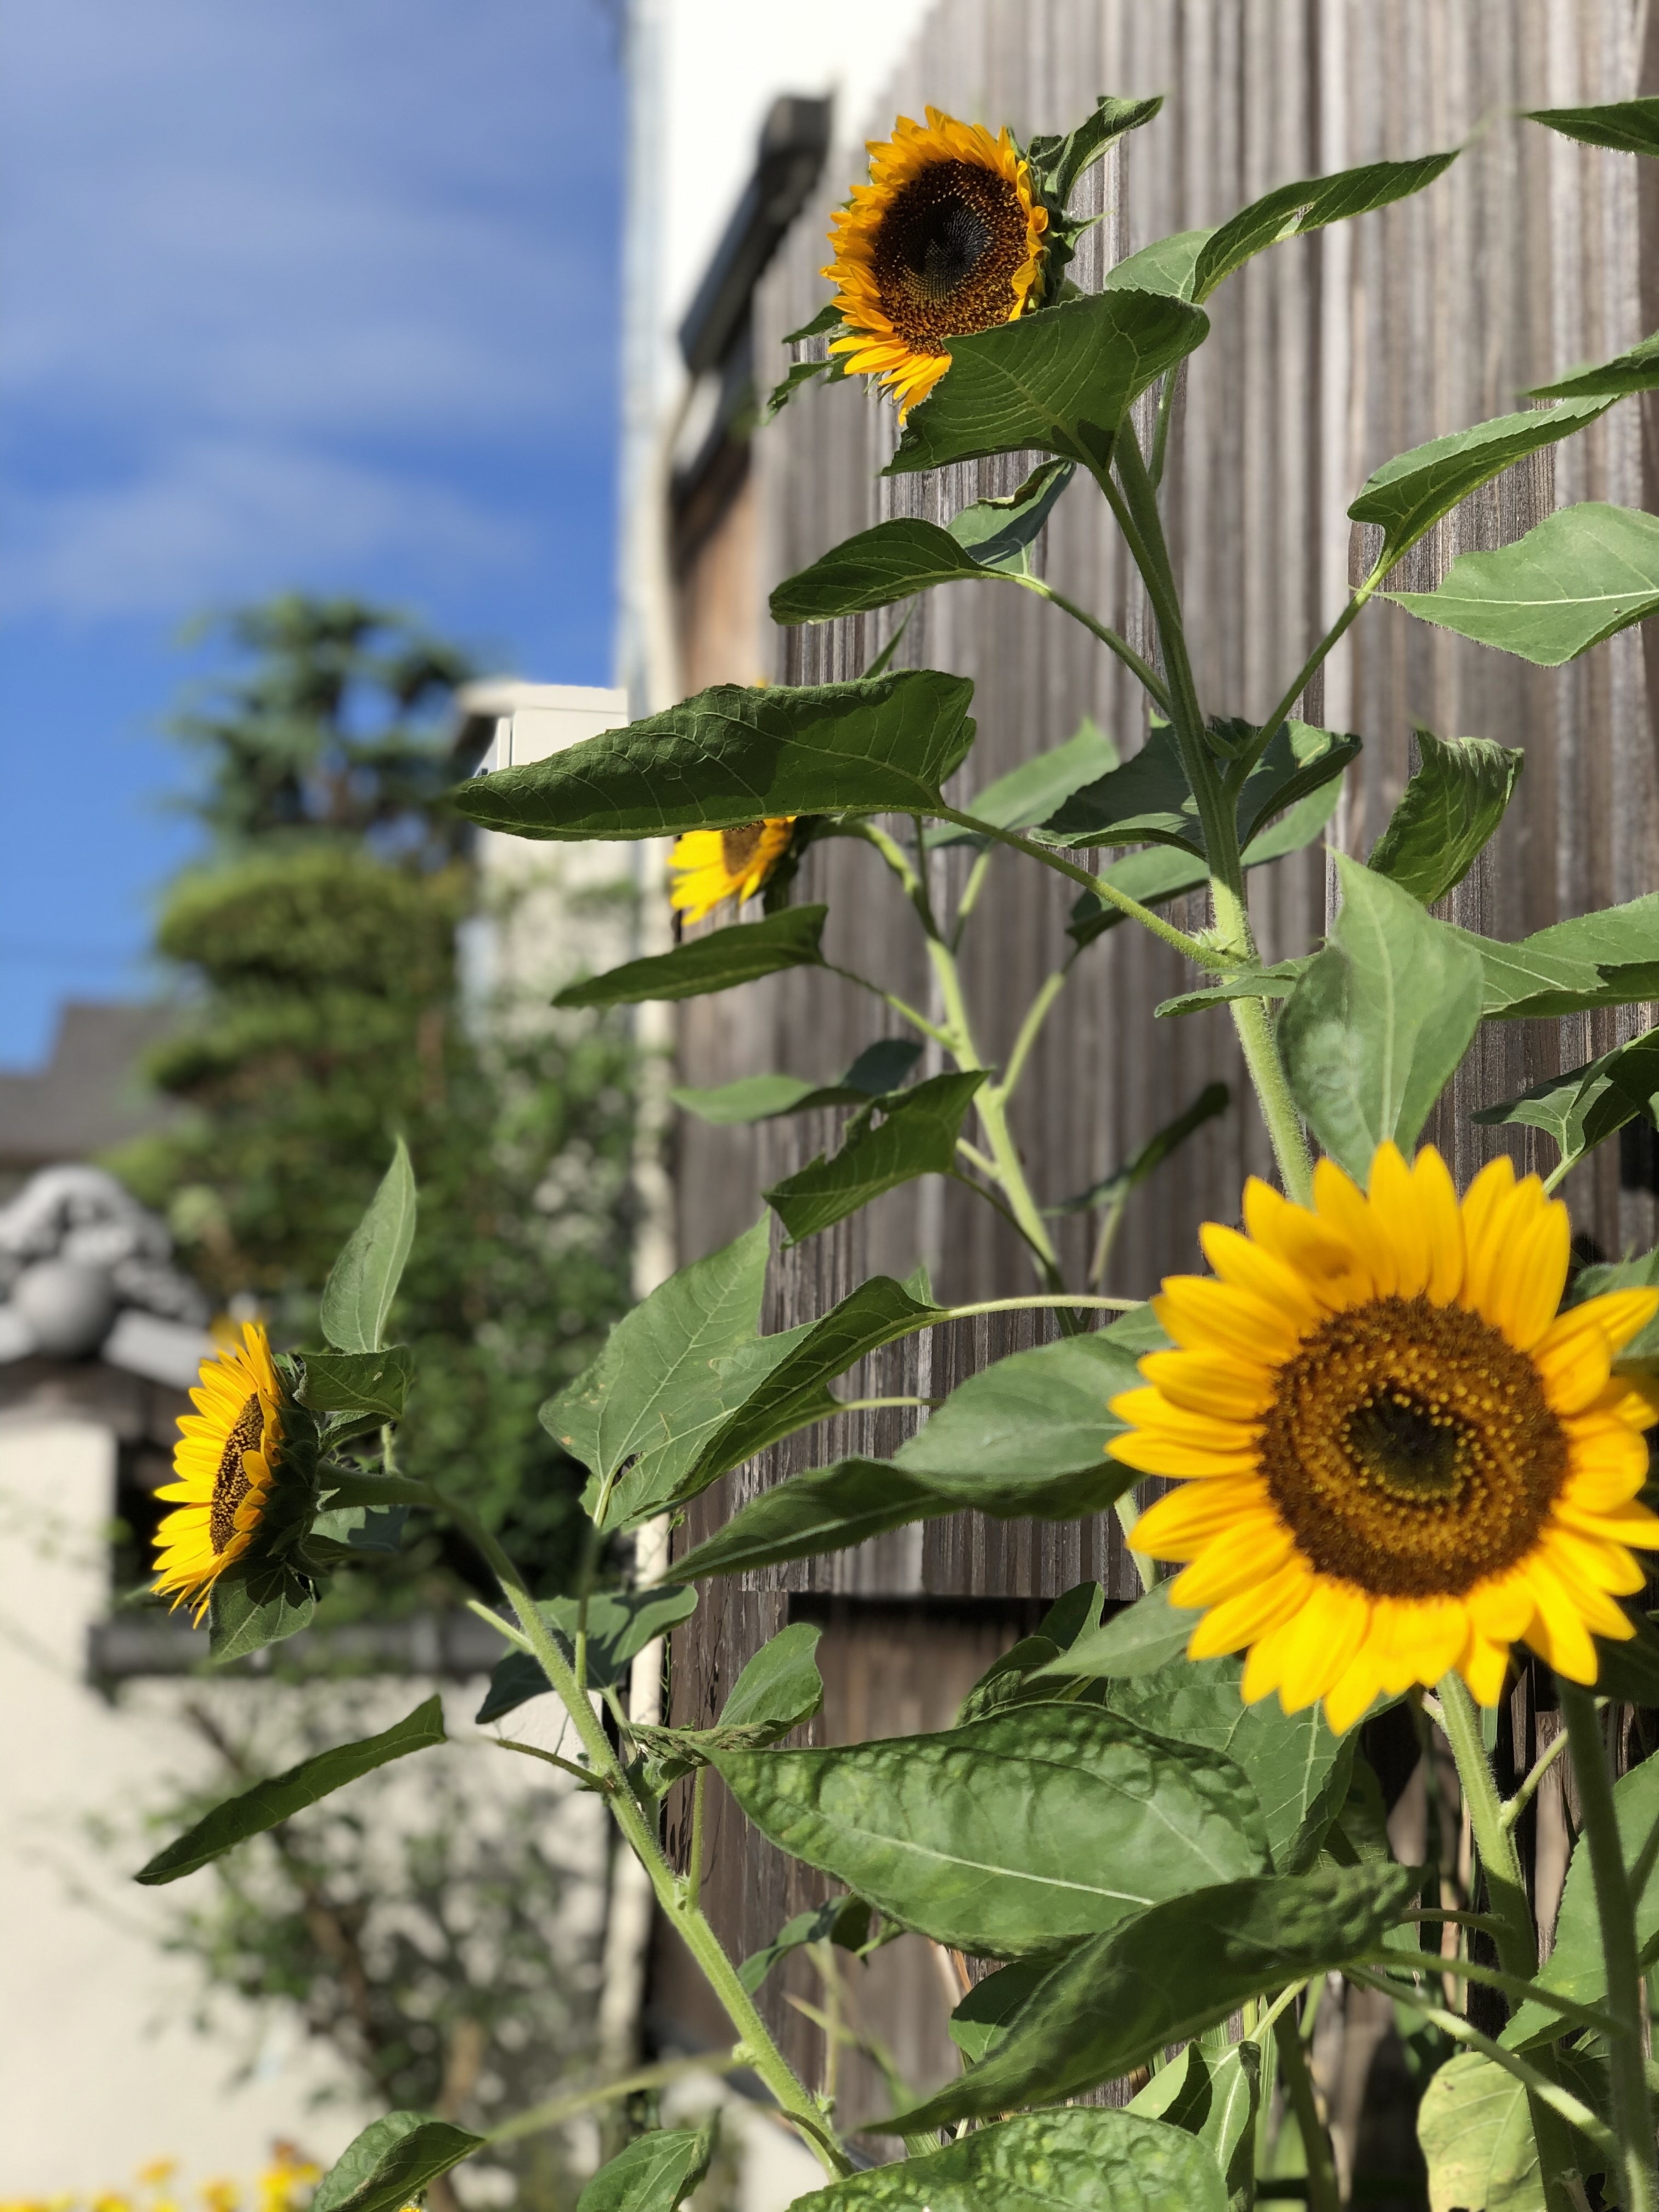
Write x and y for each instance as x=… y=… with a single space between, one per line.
x=252 y=254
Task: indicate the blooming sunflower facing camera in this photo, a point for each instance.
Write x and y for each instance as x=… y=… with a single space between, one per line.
x=712 y=864
x=1395 y=1456
x=946 y=239
x=226 y=1464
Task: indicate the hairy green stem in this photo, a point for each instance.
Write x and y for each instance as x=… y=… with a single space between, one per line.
x=1272 y=1090
x=1194 y=949
x=1323 y=2193
x=679 y=1907
x=1561 y=2104
x=1515 y=1806
x=1310 y=668
x=1517 y=1939
x=1148 y=676
x=1620 y=1952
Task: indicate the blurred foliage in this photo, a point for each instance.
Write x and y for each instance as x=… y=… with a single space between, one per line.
x=440 y=1938
x=325 y=1012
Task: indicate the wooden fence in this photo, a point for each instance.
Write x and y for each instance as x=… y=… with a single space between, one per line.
x=1327 y=356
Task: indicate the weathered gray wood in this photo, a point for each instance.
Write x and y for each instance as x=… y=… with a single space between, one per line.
x=1327 y=356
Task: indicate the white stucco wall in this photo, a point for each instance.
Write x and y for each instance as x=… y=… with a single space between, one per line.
x=103 y=2069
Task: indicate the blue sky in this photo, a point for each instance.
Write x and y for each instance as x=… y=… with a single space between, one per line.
x=298 y=294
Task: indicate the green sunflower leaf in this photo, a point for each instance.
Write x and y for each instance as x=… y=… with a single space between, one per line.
x=1160 y=873
x=1293 y=210
x=719 y=962
x=1474 y=2130
x=359 y=1382
x=899 y=558
x=253 y=1606
x=1456 y=796
x=391 y=2162
x=1635 y=370
x=1587 y=1105
x=843 y=1921
x=1076 y=2161
x=779 y=1689
x=1029 y=1433
x=671 y=1369
x=1575 y=1968
x=1012 y=1834
x=879 y=1068
x=1060 y=381
x=916 y=1136
x=1214 y=2097
x=827 y=1509
x=1147 y=799
x=1625 y=126
x=794 y=1392
x=1585 y=574
x=1144 y=1639
x=364 y=1281
x=1298 y=1766
x=731 y=756
x=1374 y=1028
x=1191 y=263
x=1608 y=959
x=1408 y=496
x=269 y=1803
x=655 y=2173
x=1058 y=161
x=1027 y=796
x=1164 y=1976
x=620 y=1624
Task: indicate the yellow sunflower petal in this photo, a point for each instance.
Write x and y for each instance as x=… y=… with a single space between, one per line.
x=1485 y=1667
x=1322 y=1258
x=1328 y=1632
x=1210 y=1383
x=1202 y=1313
x=1193 y=1515
x=1229 y=1567
x=1486 y=1205
x=1443 y=1222
x=1355 y=1691
x=1343 y=1209
x=1523 y=1298
x=1235 y=1620
x=1395 y=1215
x=1268 y=1281
x=1557 y=1631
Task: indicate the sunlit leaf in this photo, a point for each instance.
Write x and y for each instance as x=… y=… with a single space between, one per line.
x=1076 y=2161
x=1585 y=573
x=719 y=962
x=364 y=1281
x=916 y=1136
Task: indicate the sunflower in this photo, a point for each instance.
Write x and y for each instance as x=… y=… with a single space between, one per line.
x=946 y=238
x=1397 y=1457
x=227 y=1459
x=712 y=864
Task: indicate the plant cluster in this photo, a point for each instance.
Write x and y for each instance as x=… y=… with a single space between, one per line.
x=1398 y=1454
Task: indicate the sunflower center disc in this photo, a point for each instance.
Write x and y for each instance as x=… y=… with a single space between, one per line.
x=231 y=1484
x=947 y=252
x=739 y=846
x=1411 y=1449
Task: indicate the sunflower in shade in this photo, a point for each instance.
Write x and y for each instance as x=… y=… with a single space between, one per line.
x=1395 y=1456
x=228 y=1467
x=946 y=239
x=712 y=864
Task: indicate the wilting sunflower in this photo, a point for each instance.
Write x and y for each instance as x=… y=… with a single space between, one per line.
x=946 y=238
x=228 y=1452
x=712 y=864
x=1397 y=1456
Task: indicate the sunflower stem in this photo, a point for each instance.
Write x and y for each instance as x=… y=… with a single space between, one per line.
x=1147 y=676
x=682 y=1912
x=1632 y=2110
x=1516 y=1938
x=1323 y=2195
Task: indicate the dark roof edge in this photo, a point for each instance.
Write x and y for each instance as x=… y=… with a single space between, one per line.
x=794 y=141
